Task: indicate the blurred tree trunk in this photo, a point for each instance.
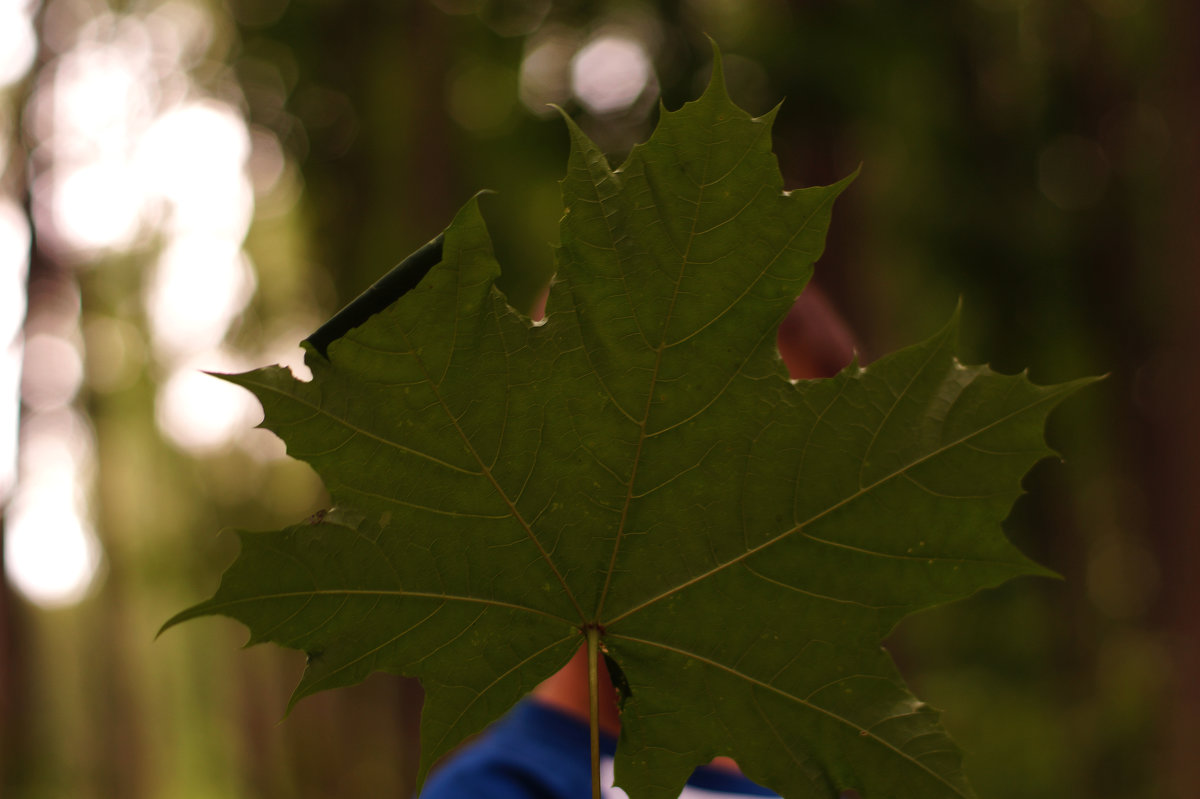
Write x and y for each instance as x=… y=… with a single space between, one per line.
x=1175 y=417
x=388 y=184
x=14 y=685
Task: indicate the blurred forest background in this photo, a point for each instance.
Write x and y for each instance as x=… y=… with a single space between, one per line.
x=197 y=184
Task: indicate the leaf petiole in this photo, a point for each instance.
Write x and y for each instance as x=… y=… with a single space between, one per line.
x=593 y=655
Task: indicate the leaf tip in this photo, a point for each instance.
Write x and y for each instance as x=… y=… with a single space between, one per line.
x=1050 y=574
x=572 y=125
x=1071 y=386
x=228 y=377
x=950 y=330
x=581 y=144
x=168 y=624
x=195 y=611
x=855 y=366
x=292 y=701
x=716 y=83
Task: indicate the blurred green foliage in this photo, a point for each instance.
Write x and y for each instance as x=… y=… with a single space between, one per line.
x=1016 y=153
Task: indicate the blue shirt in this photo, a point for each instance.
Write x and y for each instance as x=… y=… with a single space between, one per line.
x=539 y=752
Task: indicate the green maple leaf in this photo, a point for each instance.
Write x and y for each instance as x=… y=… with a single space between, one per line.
x=640 y=466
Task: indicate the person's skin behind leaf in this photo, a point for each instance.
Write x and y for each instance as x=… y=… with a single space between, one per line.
x=813 y=342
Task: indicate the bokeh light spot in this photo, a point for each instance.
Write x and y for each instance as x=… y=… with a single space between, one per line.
x=53 y=372
x=14 y=266
x=18 y=43
x=200 y=284
x=193 y=157
x=545 y=73
x=10 y=393
x=95 y=207
x=51 y=554
x=201 y=413
x=610 y=73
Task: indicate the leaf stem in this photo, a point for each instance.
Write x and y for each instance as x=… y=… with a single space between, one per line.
x=593 y=654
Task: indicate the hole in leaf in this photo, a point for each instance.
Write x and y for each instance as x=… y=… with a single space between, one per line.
x=618 y=680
